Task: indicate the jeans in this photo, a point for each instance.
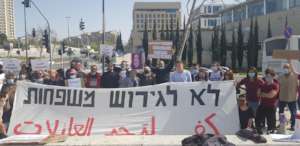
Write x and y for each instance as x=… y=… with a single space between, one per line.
x=263 y=113
x=253 y=105
x=293 y=110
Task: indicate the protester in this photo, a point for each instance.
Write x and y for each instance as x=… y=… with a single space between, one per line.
x=228 y=75
x=202 y=75
x=268 y=92
x=180 y=75
x=38 y=77
x=246 y=114
x=93 y=79
x=146 y=78
x=297 y=73
x=80 y=73
x=129 y=80
x=54 y=79
x=23 y=75
x=8 y=107
x=252 y=83
x=110 y=79
x=162 y=72
x=194 y=71
x=216 y=74
x=74 y=80
x=288 y=92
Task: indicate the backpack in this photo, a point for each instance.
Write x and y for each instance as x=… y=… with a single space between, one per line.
x=206 y=140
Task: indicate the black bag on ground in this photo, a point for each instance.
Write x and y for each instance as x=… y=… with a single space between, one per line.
x=206 y=140
x=251 y=135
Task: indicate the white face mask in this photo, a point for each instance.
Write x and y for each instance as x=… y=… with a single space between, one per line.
x=214 y=68
x=73 y=76
x=10 y=81
x=251 y=75
x=286 y=71
x=269 y=79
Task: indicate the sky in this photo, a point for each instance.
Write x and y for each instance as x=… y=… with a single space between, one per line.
x=118 y=15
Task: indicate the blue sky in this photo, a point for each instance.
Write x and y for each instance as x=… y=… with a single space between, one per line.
x=118 y=15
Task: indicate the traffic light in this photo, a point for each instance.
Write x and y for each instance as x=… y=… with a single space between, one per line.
x=46 y=42
x=33 y=33
x=81 y=25
x=26 y=3
x=63 y=47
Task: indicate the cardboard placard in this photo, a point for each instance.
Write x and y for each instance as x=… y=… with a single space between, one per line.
x=286 y=54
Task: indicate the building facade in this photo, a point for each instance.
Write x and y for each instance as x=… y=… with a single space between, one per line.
x=161 y=14
x=7 y=20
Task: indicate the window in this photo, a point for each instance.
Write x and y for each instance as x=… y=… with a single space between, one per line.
x=137 y=16
x=158 y=15
x=209 y=9
x=227 y=17
x=212 y=22
x=294 y=3
x=137 y=21
x=239 y=14
x=279 y=44
x=299 y=44
x=142 y=16
x=137 y=26
x=142 y=20
x=276 y=5
x=256 y=9
x=216 y=9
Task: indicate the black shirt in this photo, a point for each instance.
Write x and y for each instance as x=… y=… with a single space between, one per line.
x=245 y=116
x=110 y=80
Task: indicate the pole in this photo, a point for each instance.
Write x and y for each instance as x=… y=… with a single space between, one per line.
x=186 y=33
x=25 y=24
x=103 y=33
x=49 y=30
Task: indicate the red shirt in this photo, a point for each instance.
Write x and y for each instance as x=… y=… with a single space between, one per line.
x=266 y=88
x=252 y=88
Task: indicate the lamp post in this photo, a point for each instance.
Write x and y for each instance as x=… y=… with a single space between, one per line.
x=103 y=33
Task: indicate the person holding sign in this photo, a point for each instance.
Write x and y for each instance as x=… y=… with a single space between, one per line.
x=288 y=92
x=298 y=74
x=93 y=79
x=54 y=79
x=74 y=81
x=180 y=75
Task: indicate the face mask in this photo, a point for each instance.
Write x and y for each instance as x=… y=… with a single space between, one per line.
x=10 y=81
x=269 y=79
x=93 y=73
x=214 y=68
x=23 y=76
x=73 y=76
x=286 y=71
x=251 y=75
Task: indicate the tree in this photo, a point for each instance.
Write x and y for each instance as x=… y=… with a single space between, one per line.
x=191 y=46
x=240 y=46
x=269 y=29
x=119 y=44
x=233 y=51
x=223 y=46
x=145 y=40
x=184 y=53
x=256 y=46
x=154 y=32
x=162 y=32
x=167 y=32
x=215 y=46
x=3 y=38
x=172 y=31
x=250 y=53
x=177 y=38
x=199 y=43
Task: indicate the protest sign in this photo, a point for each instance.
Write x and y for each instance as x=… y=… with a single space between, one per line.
x=76 y=83
x=136 y=62
x=165 y=109
x=40 y=64
x=286 y=54
x=11 y=64
x=160 y=50
x=106 y=50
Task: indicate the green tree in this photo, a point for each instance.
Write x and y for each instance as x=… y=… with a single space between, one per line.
x=145 y=40
x=3 y=38
x=191 y=46
x=154 y=31
x=119 y=44
x=250 y=53
x=162 y=32
x=269 y=29
x=223 y=46
x=199 y=43
x=215 y=46
x=167 y=32
x=172 y=30
x=233 y=51
x=240 y=46
x=256 y=46
x=184 y=53
x=177 y=38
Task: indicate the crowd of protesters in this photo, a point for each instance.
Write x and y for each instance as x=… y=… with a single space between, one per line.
x=257 y=107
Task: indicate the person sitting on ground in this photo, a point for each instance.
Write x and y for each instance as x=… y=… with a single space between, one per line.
x=93 y=79
x=54 y=79
x=246 y=113
x=216 y=74
x=202 y=75
x=268 y=92
x=252 y=83
x=180 y=75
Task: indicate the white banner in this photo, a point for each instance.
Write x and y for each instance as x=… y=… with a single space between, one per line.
x=166 y=109
x=11 y=64
x=106 y=50
x=40 y=64
x=160 y=50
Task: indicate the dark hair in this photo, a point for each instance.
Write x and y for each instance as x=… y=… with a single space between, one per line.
x=253 y=69
x=270 y=71
x=179 y=62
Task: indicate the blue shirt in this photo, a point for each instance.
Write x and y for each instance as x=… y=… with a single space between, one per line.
x=184 y=76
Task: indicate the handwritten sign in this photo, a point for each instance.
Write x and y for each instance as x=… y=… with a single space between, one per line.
x=106 y=50
x=166 y=109
x=38 y=64
x=160 y=50
x=11 y=65
x=76 y=83
x=286 y=54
